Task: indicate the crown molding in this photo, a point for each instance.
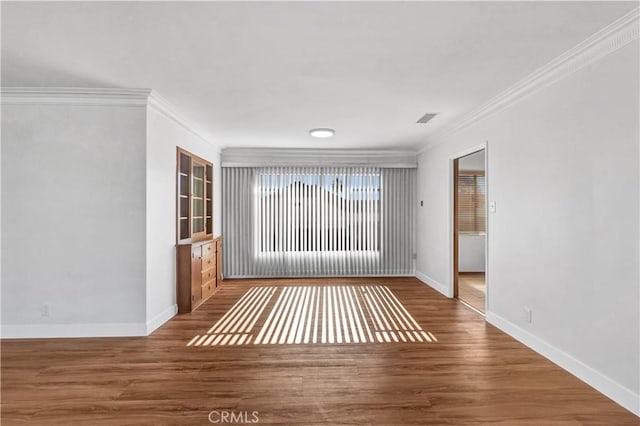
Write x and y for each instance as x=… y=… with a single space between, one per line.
x=167 y=109
x=99 y=97
x=283 y=157
x=73 y=96
x=606 y=41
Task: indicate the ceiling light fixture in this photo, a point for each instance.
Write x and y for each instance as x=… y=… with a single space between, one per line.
x=322 y=133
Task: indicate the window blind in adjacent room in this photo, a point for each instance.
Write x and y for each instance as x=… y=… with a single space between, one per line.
x=471 y=202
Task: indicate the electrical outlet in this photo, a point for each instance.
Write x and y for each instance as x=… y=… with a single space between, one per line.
x=44 y=310
x=528 y=314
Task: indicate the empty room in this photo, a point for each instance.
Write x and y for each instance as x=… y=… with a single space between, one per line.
x=320 y=213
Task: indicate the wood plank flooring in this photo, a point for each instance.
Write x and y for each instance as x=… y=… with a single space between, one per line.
x=473 y=374
x=295 y=315
x=472 y=289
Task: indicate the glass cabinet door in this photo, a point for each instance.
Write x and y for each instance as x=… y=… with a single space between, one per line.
x=208 y=205
x=197 y=197
x=194 y=204
x=184 y=166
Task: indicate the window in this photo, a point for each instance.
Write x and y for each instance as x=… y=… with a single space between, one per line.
x=318 y=221
x=318 y=210
x=471 y=202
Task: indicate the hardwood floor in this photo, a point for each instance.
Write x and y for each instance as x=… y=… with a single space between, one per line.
x=472 y=289
x=472 y=374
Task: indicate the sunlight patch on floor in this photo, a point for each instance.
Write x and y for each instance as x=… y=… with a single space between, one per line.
x=297 y=315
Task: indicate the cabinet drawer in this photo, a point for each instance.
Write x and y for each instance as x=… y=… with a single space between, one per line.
x=209 y=286
x=208 y=250
x=207 y=289
x=208 y=263
x=208 y=275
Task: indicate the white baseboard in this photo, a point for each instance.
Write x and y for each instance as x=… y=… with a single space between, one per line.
x=161 y=318
x=603 y=384
x=127 y=329
x=38 y=331
x=434 y=284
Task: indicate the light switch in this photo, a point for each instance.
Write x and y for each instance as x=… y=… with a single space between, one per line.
x=492 y=206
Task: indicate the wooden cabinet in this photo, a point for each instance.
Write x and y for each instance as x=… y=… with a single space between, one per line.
x=199 y=256
x=195 y=198
x=199 y=272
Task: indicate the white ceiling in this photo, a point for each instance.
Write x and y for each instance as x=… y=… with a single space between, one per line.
x=262 y=74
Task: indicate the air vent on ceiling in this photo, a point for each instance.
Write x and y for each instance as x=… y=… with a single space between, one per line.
x=425 y=118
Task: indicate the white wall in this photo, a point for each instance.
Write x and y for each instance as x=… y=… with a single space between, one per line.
x=563 y=170
x=73 y=219
x=88 y=188
x=164 y=136
x=471 y=253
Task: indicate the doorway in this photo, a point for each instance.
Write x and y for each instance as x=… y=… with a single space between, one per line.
x=470 y=229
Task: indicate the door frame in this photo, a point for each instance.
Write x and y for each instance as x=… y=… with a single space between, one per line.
x=453 y=213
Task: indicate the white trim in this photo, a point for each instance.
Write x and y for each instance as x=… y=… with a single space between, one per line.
x=609 y=387
x=36 y=331
x=100 y=97
x=442 y=288
x=73 y=96
x=259 y=157
x=469 y=151
x=164 y=107
x=476 y=148
x=609 y=39
x=314 y=277
x=487 y=225
x=164 y=316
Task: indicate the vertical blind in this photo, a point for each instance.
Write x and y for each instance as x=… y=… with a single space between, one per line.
x=308 y=211
x=471 y=202
x=312 y=221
